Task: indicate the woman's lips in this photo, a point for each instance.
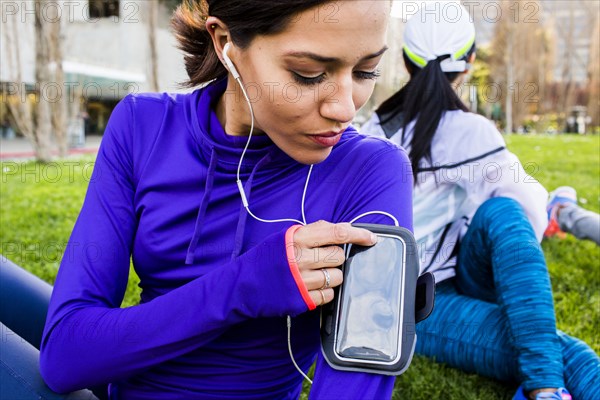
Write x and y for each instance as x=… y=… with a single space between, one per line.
x=329 y=139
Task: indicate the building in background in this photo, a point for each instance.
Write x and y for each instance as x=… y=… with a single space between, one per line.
x=573 y=23
x=563 y=35
x=106 y=54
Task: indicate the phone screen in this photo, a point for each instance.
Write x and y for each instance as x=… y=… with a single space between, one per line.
x=371 y=301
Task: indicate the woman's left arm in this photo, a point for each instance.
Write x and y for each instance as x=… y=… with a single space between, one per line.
x=384 y=183
x=517 y=184
x=493 y=171
x=503 y=175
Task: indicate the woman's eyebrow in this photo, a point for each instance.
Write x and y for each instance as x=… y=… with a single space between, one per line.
x=323 y=59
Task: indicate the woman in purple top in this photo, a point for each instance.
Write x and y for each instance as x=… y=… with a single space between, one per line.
x=226 y=229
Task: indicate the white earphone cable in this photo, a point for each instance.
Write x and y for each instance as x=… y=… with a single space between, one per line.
x=239 y=181
x=247 y=207
x=377 y=212
x=304 y=193
x=251 y=127
x=303 y=222
x=289 y=340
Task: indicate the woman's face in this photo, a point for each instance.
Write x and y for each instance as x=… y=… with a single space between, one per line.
x=307 y=82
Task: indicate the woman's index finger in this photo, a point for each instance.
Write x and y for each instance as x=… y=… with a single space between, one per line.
x=324 y=233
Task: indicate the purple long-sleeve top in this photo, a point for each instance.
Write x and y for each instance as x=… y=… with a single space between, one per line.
x=216 y=283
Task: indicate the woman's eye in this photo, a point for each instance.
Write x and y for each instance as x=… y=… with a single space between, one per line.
x=315 y=80
x=367 y=75
x=308 y=80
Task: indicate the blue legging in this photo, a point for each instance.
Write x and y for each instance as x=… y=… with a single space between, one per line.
x=496 y=317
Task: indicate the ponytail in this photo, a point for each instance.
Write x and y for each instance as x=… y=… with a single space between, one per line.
x=200 y=58
x=425 y=97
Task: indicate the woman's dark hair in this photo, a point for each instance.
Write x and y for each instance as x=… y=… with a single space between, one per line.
x=426 y=97
x=245 y=19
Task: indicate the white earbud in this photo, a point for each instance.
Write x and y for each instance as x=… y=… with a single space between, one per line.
x=229 y=63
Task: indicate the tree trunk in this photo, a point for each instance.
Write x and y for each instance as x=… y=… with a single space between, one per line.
x=18 y=106
x=59 y=107
x=152 y=27
x=517 y=41
x=567 y=74
x=509 y=80
x=43 y=127
x=594 y=76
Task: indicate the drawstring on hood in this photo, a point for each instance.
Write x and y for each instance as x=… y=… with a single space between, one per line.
x=226 y=150
x=241 y=226
x=189 y=259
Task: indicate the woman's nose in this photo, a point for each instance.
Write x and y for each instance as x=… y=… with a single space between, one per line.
x=339 y=105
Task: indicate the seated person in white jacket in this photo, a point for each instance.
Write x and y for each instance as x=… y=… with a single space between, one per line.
x=478 y=220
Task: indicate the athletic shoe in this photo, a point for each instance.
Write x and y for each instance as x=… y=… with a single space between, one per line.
x=560 y=394
x=557 y=199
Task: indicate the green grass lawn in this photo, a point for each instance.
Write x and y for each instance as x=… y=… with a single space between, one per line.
x=39 y=205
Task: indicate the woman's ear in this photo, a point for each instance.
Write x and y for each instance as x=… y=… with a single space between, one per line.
x=219 y=34
x=470 y=61
x=472 y=58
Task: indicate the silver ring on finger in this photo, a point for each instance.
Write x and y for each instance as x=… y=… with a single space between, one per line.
x=322 y=296
x=327 y=277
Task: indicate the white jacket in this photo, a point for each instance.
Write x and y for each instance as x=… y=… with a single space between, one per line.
x=470 y=164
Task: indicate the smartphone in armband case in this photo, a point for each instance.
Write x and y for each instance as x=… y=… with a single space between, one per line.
x=370 y=325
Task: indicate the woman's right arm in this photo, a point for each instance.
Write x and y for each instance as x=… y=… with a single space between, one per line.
x=89 y=340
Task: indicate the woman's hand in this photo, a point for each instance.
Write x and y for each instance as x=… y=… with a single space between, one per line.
x=318 y=254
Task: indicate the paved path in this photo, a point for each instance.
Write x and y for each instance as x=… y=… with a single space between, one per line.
x=20 y=148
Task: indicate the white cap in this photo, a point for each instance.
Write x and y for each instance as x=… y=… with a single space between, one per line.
x=437 y=29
